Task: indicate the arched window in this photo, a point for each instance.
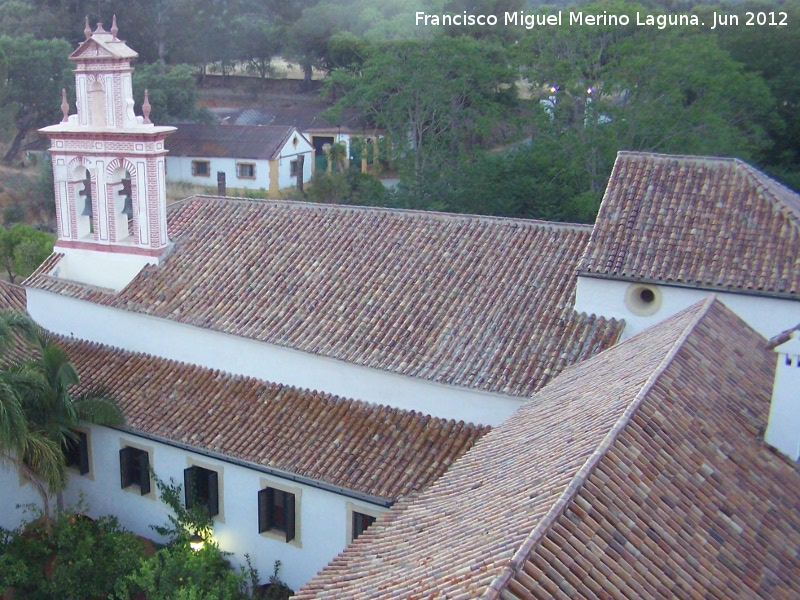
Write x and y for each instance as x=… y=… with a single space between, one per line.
x=123 y=202
x=83 y=201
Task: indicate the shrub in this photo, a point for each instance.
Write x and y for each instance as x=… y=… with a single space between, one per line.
x=85 y=559
x=179 y=573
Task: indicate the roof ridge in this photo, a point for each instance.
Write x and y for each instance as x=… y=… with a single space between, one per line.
x=690 y=157
x=576 y=483
x=765 y=186
x=556 y=225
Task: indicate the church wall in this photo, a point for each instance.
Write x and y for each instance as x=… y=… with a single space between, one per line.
x=323 y=517
x=169 y=339
x=14 y=498
x=768 y=316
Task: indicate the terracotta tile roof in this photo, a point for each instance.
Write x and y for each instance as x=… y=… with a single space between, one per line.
x=638 y=473
x=715 y=223
x=375 y=450
x=12 y=297
x=479 y=302
x=782 y=337
x=229 y=141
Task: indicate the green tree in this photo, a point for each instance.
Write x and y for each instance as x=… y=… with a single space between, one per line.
x=259 y=41
x=171 y=90
x=307 y=38
x=773 y=53
x=436 y=98
x=36 y=71
x=178 y=572
x=337 y=155
x=44 y=387
x=83 y=559
x=600 y=90
x=23 y=248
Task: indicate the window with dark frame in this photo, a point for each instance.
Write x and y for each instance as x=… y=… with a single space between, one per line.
x=201 y=168
x=293 y=168
x=134 y=469
x=76 y=452
x=246 y=170
x=201 y=488
x=276 y=512
x=361 y=522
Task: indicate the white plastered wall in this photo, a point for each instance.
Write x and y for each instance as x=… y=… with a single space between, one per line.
x=142 y=333
x=179 y=168
x=606 y=297
x=103 y=269
x=322 y=514
x=783 y=428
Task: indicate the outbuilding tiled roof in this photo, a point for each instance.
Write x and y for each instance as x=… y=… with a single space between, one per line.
x=639 y=473
x=375 y=450
x=230 y=141
x=714 y=223
x=479 y=302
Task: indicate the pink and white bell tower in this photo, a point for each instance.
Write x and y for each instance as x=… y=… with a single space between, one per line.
x=109 y=170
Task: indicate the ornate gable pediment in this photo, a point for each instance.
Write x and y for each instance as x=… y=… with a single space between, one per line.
x=90 y=48
x=103 y=45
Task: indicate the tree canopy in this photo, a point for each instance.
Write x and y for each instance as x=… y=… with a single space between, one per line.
x=35 y=72
x=436 y=98
x=23 y=248
x=39 y=406
x=446 y=96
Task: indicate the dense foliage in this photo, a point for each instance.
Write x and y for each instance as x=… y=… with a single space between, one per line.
x=80 y=558
x=34 y=72
x=39 y=407
x=83 y=559
x=501 y=120
x=23 y=248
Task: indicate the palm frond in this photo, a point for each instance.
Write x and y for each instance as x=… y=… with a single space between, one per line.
x=98 y=406
x=43 y=458
x=19 y=322
x=13 y=423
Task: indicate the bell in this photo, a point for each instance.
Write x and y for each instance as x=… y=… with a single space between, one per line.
x=127 y=208
x=87 y=208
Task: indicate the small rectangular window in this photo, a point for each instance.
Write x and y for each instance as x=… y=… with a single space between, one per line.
x=246 y=170
x=276 y=512
x=293 y=168
x=201 y=168
x=76 y=452
x=201 y=487
x=134 y=469
x=360 y=523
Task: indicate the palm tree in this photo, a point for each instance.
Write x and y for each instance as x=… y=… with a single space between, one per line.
x=40 y=410
x=337 y=155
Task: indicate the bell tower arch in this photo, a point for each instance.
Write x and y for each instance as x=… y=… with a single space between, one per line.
x=108 y=170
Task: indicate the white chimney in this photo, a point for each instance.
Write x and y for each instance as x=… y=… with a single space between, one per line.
x=783 y=428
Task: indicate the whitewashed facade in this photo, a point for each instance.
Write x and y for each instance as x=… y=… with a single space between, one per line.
x=323 y=517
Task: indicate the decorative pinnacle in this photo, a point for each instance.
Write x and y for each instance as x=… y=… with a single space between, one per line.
x=64 y=105
x=146 y=109
x=87 y=31
x=114 y=29
x=99 y=28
